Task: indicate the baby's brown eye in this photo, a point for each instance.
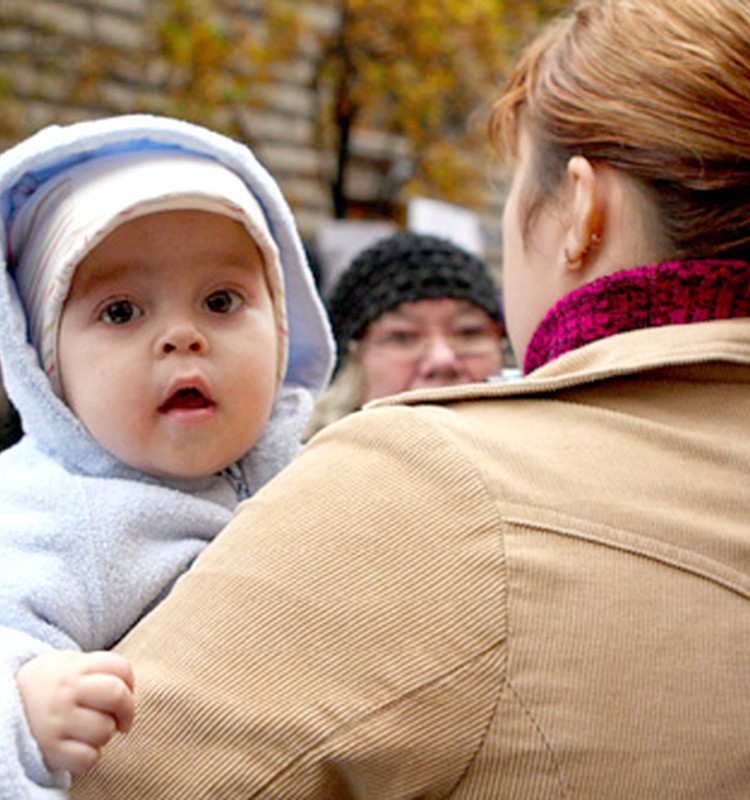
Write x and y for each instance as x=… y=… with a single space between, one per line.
x=120 y=312
x=223 y=301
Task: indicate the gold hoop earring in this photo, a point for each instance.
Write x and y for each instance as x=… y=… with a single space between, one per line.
x=593 y=244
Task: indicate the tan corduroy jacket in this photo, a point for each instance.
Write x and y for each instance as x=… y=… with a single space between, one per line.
x=539 y=590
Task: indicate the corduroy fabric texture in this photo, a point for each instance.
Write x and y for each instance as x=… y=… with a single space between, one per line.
x=528 y=590
x=404 y=268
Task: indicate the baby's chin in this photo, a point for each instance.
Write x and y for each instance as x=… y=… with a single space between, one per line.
x=185 y=467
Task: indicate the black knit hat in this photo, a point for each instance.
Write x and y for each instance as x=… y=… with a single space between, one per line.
x=404 y=268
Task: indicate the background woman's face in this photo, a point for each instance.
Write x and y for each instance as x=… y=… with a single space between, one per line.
x=428 y=343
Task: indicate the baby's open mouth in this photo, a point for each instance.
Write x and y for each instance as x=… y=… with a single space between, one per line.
x=186 y=399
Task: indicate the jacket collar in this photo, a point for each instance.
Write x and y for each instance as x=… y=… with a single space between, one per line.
x=619 y=355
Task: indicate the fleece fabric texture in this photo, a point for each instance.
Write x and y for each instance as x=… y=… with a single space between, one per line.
x=88 y=544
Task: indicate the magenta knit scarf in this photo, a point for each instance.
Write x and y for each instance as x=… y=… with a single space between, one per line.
x=672 y=293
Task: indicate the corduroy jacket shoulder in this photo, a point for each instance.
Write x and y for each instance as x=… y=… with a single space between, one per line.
x=539 y=589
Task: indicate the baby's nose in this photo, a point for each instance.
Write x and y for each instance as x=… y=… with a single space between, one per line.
x=182 y=339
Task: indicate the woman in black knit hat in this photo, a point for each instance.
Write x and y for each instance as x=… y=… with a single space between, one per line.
x=411 y=311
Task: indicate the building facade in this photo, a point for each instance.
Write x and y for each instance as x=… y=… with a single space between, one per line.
x=65 y=60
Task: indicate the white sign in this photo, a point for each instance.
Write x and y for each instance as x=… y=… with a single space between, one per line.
x=436 y=218
x=338 y=241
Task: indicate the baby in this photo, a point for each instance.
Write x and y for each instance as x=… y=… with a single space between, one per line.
x=154 y=267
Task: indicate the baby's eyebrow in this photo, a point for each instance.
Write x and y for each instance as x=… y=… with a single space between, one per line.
x=90 y=281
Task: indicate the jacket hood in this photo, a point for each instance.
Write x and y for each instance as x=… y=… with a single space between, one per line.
x=55 y=148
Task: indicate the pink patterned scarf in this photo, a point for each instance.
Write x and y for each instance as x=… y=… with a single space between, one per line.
x=672 y=293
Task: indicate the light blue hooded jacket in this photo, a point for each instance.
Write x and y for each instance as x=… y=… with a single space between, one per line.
x=88 y=544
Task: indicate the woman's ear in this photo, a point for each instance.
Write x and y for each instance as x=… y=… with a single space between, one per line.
x=584 y=213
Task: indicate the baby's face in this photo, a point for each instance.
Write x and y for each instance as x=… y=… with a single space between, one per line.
x=167 y=347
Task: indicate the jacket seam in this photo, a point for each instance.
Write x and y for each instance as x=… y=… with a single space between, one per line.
x=358 y=719
x=672 y=561
x=559 y=772
x=490 y=499
x=481 y=478
x=448 y=441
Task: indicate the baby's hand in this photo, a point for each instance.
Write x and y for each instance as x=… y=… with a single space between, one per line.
x=75 y=702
